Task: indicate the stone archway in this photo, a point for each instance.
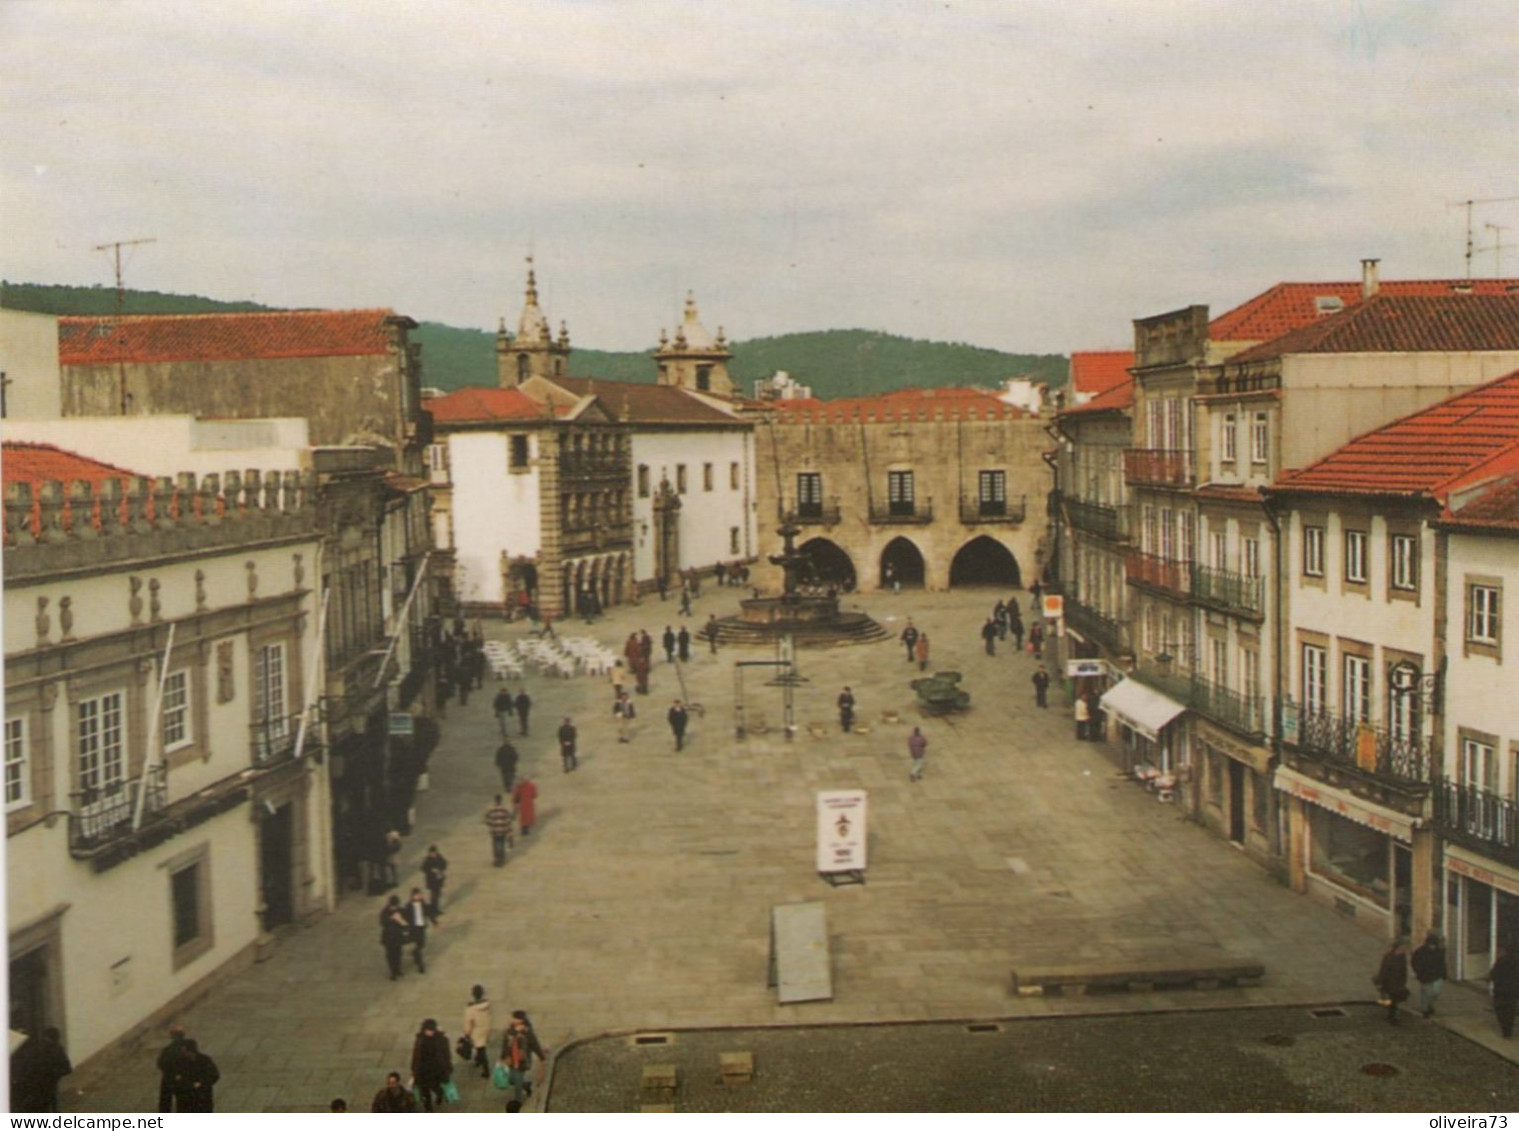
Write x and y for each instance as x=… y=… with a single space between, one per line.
x=985 y=561
x=831 y=564
x=901 y=565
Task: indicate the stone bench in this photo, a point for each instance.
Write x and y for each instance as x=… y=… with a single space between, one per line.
x=1167 y=973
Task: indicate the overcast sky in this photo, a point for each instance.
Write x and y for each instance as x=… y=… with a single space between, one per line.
x=1027 y=176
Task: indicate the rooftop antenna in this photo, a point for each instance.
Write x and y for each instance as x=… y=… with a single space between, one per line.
x=1497 y=248
x=1467 y=204
x=124 y=399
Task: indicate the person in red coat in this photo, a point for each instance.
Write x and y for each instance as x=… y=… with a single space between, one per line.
x=525 y=798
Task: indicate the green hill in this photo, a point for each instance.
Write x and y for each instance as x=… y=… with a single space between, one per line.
x=836 y=363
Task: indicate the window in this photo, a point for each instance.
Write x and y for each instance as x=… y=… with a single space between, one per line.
x=680 y=478
x=102 y=743
x=1249 y=673
x=1357 y=689
x=176 y=710
x=1404 y=561
x=436 y=459
x=1259 y=438
x=1479 y=763
x=733 y=475
x=190 y=904
x=1313 y=551
x=809 y=494
x=18 y=786
x=186 y=894
x=732 y=539
x=1250 y=556
x=1315 y=670
x=1228 y=436
x=1220 y=542
x=1482 y=614
x=991 y=492
x=704 y=378
x=1355 y=557
x=643 y=481
x=899 y=492
x=269 y=711
x=1218 y=661
x=1403 y=700
x=518 y=458
x=706 y=477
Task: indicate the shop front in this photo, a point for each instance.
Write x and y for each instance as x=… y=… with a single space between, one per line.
x=1236 y=794
x=1150 y=732
x=1481 y=911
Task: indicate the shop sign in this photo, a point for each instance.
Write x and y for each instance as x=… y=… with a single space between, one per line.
x=402 y=724
x=841 y=830
x=1086 y=669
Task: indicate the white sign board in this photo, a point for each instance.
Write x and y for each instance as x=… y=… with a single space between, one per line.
x=841 y=830
x=1054 y=606
x=1079 y=669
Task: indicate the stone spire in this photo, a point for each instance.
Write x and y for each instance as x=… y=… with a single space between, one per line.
x=694 y=359
x=534 y=352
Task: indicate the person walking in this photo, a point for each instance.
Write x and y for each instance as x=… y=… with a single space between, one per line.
x=567 y=745
x=477 y=1028
x=678 y=718
x=909 y=637
x=989 y=636
x=37 y=1067
x=712 y=630
x=194 y=1080
x=506 y=762
x=1083 y=717
x=1392 y=978
x=435 y=875
x=624 y=712
x=683 y=643
x=1036 y=593
x=418 y=914
x=646 y=651
x=525 y=798
x=524 y=704
x=393 y=934
x=431 y=1063
x=393 y=1098
x=1428 y=962
x=921 y=651
x=917 y=746
x=498 y=819
x=166 y=1059
x=668 y=640
x=846 y=710
x=502 y=706
x=519 y=1045
x=685 y=599
x=392 y=848
x=1015 y=626
x=1036 y=638
x=999 y=615
x=1041 y=682
x=1503 y=980
x=463 y=680
x=663 y=584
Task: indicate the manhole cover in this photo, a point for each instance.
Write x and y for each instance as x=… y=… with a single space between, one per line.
x=1279 y=1039
x=1379 y=1070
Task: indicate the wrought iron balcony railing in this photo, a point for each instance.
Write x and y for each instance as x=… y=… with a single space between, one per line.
x=1095 y=626
x=1158 y=573
x=1478 y=817
x=1338 y=740
x=1096 y=518
x=1224 y=589
x=274 y=739
x=1239 y=711
x=888 y=514
x=809 y=513
x=989 y=510
x=100 y=816
x=1157 y=467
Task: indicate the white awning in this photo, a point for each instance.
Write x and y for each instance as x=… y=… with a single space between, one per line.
x=1345 y=804
x=1143 y=708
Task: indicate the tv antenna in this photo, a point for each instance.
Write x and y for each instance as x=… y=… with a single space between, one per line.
x=1497 y=248
x=1468 y=204
x=124 y=398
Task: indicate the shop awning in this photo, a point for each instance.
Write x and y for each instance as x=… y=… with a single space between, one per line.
x=1345 y=804
x=1142 y=708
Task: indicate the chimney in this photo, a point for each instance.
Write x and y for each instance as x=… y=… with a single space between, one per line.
x=1370 y=284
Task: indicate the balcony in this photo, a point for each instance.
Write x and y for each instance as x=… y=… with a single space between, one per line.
x=603 y=536
x=1157 y=467
x=273 y=740
x=1101 y=630
x=1228 y=591
x=1240 y=712
x=101 y=816
x=1368 y=750
x=902 y=513
x=810 y=513
x=1095 y=518
x=1172 y=578
x=973 y=511
x=1478 y=819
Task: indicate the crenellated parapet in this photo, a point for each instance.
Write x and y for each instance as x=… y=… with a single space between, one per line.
x=56 y=525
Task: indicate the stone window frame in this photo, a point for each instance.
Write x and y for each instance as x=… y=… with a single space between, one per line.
x=643 y=481
x=1314 y=565
x=514 y=464
x=1392 y=718
x=1260 y=439
x=1364 y=656
x=734 y=478
x=198 y=666
x=1472 y=644
x=34 y=703
x=185 y=709
x=1398 y=588
x=1320 y=644
x=18 y=742
x=1494 y=745
x=1356 y=536
x=733 y=547
x=199 y=857
x=286 y=632
x=1228 y=447
x=680 y=479
x=707 y=477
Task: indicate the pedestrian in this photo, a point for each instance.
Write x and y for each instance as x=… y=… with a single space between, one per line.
x=988 y=636
x=685 y=599
x=617 y=676
x=1015 y=626
x=506 y=762
x=889 y=575
x=917 y=746
x=418 y=915
x=1083 y=717
x=166 y=1059
x=523 y=703
x=1041 y=682
x=921 y=651
x=1036 y=593
x=646 y=648
x=477 y=661
x=1503 y=980
x=624 y=712
x=909 y=637
x=194 y=1079
x=432 y=1065
x=477 y=1028
x=498 y=819
x=519 y=1046
x=1036 y=639
x=435 y=875
x=393 y=846
x=36 y=1069
x=1392 y=978
x=712 y=630
x=393 y=1099
x=393 y=934
x=525 y=798
x=502 y=705
x=567 y=745
x=683 y=643
x=999 y=615
x=846 y=710
x=664 y=586
x=678 y=718
x=668 y=640
x=338 y=1105
x=1428 y=962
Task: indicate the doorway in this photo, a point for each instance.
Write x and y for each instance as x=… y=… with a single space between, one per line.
x=985 y=561
x=1236 y=801
x=901 y=565
x=276 y=860
x=29 y=992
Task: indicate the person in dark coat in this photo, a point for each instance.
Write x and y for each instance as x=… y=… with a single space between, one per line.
x=1392 y=978
x=1015 y=626
x=502 y=705
x=1428 y=962
x=846 y=710
x=683 y=644
x=506 y=762
x=166 y=1060
x=1041 y=681
x=989 y=636
x=711 y=631
x=1036 y=638
x=393 y=934
x=435 y=875
x=418 y=914
x=668 y=640
x=36 y=1068
x=909 y=638
x=1503 y=977
x=567 y=739
x=194 y=1081
x=523 y=704
x=393 y=1098
x=432 y=1063
x=678 y=718
x=519 y=1047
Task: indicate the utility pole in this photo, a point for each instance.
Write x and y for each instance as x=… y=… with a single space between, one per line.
x=1468 y=205
x=121 y=300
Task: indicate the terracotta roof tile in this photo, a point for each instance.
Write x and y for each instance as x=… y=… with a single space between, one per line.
x=1429 y=453
x=645 y=403
x=1097 y=371
x=477 y=405
x=224 y=337
x=1287 y=306
x=1393 y=323
x=904 y=404
x=1120 y=398
x=36 y=464
x=1495 y=507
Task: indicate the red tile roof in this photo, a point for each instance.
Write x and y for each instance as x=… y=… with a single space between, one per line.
x=224 y=337
x=904 y=404
x=1097 y=371
x=645 y=403
x=477 y=405
x=1398 y=324
x=1494 y=508
x=36 y=464
x=1120 y=398
x=1287 y=306
x=1429 y=453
